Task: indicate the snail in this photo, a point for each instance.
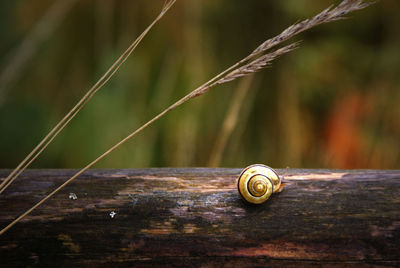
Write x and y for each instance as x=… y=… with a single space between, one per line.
x=256 y=183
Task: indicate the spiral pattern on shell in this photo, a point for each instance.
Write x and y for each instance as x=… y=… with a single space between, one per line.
x=257 y=182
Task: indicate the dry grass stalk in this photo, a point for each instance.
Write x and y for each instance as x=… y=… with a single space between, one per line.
x=82 y=102
x=328 y=15
x=257 y=60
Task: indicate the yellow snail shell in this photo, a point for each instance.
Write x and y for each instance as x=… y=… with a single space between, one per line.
x=257 y=182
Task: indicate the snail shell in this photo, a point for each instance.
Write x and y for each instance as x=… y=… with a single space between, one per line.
x=257 y=182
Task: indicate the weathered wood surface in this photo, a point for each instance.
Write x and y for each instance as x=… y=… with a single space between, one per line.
x=194 y=217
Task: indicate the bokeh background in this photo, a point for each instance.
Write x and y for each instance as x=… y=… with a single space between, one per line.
x=332 y=103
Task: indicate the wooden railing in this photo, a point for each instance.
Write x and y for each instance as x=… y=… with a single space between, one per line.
x=195 y=217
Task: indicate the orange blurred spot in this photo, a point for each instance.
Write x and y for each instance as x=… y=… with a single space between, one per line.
x=343 y=133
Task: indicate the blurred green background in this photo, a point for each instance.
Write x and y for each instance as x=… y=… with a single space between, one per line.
x=332 y=103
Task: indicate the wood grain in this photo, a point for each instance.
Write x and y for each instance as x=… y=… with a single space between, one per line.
x=194 y=217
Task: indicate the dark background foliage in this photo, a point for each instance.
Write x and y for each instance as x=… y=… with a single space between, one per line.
x=333 y=103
